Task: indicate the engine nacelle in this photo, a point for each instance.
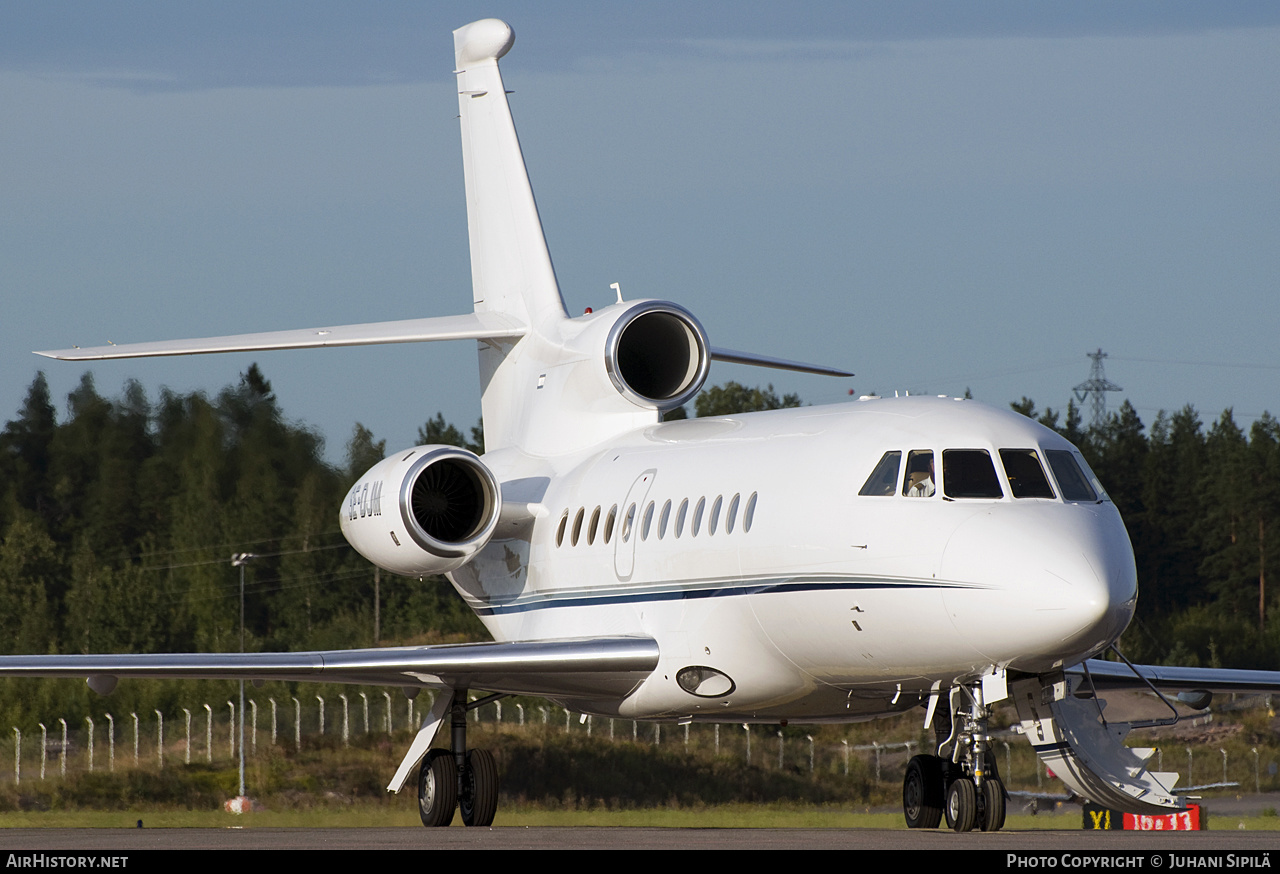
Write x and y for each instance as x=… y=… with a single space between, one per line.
x=656 y=354
x=426 y=510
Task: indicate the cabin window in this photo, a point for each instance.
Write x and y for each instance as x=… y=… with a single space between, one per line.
x=1026 y=476
x=648 y=522
x=884 y=478
x=969 y=473
x=1071 y=480
x=697 y=516
x=627 y=523
x=715 y=515
x=608 y=523
x=680 y=514
x=591 y=527
x=920 y=481
x=577 y=525
x=564 y=520
x=749 y=516
x=732 y=515
x=662 y=520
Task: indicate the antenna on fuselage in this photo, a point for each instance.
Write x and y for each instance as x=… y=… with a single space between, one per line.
x=1097 y=385
x=617 y=289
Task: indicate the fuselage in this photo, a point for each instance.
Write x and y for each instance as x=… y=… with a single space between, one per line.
x=785 y=560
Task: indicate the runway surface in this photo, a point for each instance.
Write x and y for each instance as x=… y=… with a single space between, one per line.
x=115 y=840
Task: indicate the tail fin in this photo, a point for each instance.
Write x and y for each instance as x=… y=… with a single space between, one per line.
x=511 y=271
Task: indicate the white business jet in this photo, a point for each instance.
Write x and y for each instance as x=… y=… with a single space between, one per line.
x=822 y=564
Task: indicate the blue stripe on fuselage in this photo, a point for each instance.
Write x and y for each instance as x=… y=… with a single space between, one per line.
x=685 y=592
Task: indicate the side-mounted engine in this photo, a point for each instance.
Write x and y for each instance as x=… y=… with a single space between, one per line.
x=656 y=354
x=426 y=510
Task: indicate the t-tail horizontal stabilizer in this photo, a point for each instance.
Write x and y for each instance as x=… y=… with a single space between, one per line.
x=469 y=326
x=732 y=356
x=1086 y=754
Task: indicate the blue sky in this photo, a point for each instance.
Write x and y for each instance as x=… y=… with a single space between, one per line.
x=935 y=195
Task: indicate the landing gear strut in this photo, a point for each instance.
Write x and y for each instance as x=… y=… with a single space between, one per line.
x=458 y=778
x=961 y=781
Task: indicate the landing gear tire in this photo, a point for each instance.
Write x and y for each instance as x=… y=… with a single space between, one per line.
x=962 y=805
x=992 y=804
x=922 y=792
x=479 y=799
x=437 y=788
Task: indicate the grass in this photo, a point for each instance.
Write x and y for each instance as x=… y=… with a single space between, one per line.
x=721 y=816
x=551 y=777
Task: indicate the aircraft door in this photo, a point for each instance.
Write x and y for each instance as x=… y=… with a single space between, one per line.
x=628 y=531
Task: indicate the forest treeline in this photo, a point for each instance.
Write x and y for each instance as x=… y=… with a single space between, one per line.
x=119 y=520
x=1200 y=503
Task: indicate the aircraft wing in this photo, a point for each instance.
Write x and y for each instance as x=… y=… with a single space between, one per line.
x=1114 y=675
x=587 y=667
x=469 y=326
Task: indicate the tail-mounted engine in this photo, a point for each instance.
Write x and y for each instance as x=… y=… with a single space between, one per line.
x=427 y=510
x=656 y=354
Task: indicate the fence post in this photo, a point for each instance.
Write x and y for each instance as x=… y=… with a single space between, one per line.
x=135 y=738
x=231 y=731
x=253 y=708
x=111 y=744
x=160 y=738
x=63 y=761
x=321 y=700
x=90 y=721
x=365 y=698
x=208 y=734
x=810 y=737
x=17 y=757
x=44 y=748
x=297 y=724
x=747 y=729
x=187 y=757
x=346 y=742
x=387 y=695
x=273 y=721
x=845 y=744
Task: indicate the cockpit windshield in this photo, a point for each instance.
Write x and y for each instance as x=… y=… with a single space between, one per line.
x=1026 y=476
x=1075 y=486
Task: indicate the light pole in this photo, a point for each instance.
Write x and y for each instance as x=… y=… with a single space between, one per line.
x=240 y=559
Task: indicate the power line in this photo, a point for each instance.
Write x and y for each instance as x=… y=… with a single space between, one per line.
x=1096 y=385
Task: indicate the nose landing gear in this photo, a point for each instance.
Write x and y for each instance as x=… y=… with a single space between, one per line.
x=961 y=781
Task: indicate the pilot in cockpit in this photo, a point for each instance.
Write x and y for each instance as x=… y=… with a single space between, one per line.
x=919 y=481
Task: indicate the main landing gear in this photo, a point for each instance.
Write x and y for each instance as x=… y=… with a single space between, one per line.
x=961 y=782
x=458 y=778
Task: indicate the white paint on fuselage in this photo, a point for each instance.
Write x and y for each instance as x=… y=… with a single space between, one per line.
x=831 y=601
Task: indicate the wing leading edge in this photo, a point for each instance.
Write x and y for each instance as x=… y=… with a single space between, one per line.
x=587 y=667
x=1114 y=675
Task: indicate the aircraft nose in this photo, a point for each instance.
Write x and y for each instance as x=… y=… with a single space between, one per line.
x=1041 y=584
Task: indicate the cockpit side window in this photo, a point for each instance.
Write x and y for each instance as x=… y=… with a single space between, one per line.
x=884 y=478
x=1026 y=476
x=969 y=473
x=919 y=481
x=1071 y=480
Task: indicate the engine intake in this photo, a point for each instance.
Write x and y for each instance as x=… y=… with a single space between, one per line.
x=657 y=355
x=446 y=506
